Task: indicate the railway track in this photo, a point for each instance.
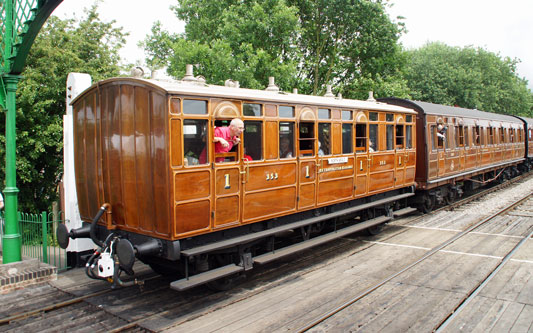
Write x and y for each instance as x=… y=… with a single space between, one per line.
x=443 y=324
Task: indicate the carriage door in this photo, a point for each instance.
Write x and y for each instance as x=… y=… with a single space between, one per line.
x=227 y=169
x=442 y=143
x=361 y=153
x=307 y=164
x=401 y=153
x=269 y=174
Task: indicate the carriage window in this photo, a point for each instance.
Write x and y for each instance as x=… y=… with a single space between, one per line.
x=286 y=111
x=347 y=145
x=231 y=155
x=467 y=141
x=373 y=144
x=307 y=139
x=286 y=139
x=373 y=116
x=409 y=136
x=253 y=140
x=252 y=110
x=389 y=117
x=194 y=139
x=491 y=135
x=346 y=115
x=460 y=136
x=433 y=135
x=409 y=118
x=324 y=114
x=482 y=135
x=502 y=135
x=477 y=139
x=390 y=137
x=193 y=106
x=360 y=137
x=399 y=137
x=324 y=139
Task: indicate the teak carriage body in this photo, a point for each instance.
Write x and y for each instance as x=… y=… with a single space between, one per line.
x=145 y=147
x=308 y=169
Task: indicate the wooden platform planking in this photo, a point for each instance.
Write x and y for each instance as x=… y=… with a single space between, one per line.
x=314 y=292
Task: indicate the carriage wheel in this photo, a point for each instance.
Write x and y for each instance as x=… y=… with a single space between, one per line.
x=428 y=204
x=376 y=229
x=450 y=197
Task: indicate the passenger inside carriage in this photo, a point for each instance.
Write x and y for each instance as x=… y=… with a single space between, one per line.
x=226 y=137
x=285 y=148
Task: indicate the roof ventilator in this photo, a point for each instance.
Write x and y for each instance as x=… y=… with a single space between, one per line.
x=271 y=85
x=189 y=76
x=371 y=97
x=231 y=83
x=328 y=93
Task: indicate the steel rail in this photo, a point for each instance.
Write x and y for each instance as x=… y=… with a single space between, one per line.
x=424 y=257
x=470 y=296
x=59 y=305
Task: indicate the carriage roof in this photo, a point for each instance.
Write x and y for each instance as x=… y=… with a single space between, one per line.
x=453 y=111
x=195 y=89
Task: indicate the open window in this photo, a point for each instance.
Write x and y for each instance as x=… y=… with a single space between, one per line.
x=232 y=154
x=477 y=135
x=307 y=139
x=195 y=148
x=253 y=140
x=400 y=134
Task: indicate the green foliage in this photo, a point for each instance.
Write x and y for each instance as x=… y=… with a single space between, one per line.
x=63 y=46
x=350 y=44
x=305 y=44
x=247 y=42
x=468 y=77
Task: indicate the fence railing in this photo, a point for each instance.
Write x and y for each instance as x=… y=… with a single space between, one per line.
x=39 y=239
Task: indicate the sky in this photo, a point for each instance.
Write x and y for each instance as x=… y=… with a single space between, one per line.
x=502 y=27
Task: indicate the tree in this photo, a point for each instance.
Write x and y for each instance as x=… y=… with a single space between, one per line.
x=351 y=44
x=303 y=43
x=469 y=77
x=245 y=41
x=63 y=46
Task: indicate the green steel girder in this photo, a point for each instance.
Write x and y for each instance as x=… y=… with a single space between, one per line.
x=21 y=21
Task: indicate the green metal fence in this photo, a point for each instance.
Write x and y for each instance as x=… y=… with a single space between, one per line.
x=39 y=238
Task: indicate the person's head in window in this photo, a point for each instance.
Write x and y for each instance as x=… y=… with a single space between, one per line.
x=285 y=149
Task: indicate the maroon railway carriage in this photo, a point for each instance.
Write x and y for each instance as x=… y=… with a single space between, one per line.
x=528 y=129
x=458 y=149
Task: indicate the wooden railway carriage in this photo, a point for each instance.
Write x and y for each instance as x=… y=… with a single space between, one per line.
x=461 y=147
x=144 y=149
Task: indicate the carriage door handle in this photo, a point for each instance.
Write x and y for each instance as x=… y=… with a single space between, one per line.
x=246 y=171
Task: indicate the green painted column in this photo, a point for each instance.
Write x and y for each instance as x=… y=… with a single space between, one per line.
x=11 y=241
